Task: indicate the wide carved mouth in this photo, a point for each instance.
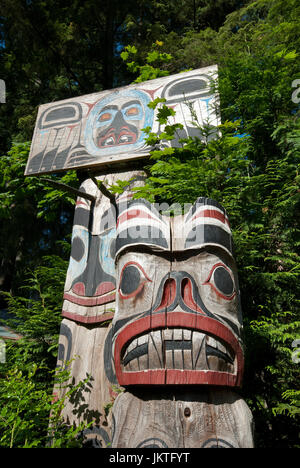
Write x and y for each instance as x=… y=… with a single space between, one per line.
x=177 y=348
x=162 y=349
x=112 y=137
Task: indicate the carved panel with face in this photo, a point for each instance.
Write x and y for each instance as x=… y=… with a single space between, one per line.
x=116 y=122
x=90 y=283
x=178 y=318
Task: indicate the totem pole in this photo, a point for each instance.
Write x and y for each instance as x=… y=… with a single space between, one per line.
x=151 y=305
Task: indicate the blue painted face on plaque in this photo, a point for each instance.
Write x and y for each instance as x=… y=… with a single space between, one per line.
x=115 y=123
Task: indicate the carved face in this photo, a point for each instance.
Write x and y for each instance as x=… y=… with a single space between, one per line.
x=116 y=122
x=91 y=272
x=178 y=319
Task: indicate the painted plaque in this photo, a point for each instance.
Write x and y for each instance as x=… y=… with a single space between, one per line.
x=104 y=128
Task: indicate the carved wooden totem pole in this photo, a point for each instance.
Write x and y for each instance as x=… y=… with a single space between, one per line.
x=151 y=305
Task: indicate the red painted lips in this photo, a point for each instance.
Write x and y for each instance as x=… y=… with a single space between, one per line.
x=114 y=138
x=164 y=375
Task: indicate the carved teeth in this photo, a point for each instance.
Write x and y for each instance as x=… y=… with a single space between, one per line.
x=168 y=334
x=217 y=345
x=155 y=350
x=142 y=343
x=177 y=335
x=169 y=354
x=225 y=350
x=211 y=341
x=199 y=353
x=132 y=345
x=177 y=348
x=142 y=339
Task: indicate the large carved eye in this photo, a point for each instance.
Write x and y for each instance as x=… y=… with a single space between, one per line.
x=106 y=116
x=133 y=112
x=221 y=281
x=78 y=248
x=132 y=280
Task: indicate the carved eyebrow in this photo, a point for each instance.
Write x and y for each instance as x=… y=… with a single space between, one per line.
x=209 y=234
x=130 y=103
x=109 y=107
x=150 y=236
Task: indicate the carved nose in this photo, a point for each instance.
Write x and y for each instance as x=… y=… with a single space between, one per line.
x=169 y=293
x=178 y=290
x=118 y=121
x=187 y=295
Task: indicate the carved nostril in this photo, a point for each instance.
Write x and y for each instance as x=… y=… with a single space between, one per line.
x=187 y=295
x=185 y=288
x=186 y=291
x=169 y=294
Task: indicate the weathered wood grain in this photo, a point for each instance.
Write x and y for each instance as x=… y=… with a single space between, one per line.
x=202 y=418
x=82 y=350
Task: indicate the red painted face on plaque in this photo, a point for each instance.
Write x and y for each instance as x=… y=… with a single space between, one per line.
x=178 y=318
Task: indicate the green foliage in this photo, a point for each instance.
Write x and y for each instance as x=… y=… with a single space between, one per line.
x=23 y=410
x=156 y=62
x=17 y=189
x=37 y=314
x=292 y=407
x=30 y=416
x=26 y=202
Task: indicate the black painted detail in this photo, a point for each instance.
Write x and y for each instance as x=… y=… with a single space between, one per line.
x=210 y=351
x=232 y=325
x=108 y=360
x=82 y=217
x=153 y=442
x=208 y=234
x=93 y=275
x=77 y=249
x=108 y=219
x=177 y=344
x=101 y=438
x=130 y=279
x=187 y=86
x=139 y=203
x=64 y=354
x=141 y=235
x=179 y=90
x=180 y=276
x=217 y=443
x=202 y=201
x=136 y=353
x=223 y=281
x=60 y=115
